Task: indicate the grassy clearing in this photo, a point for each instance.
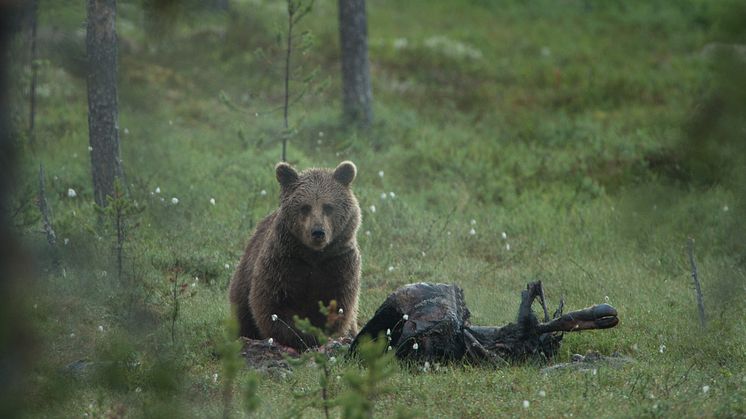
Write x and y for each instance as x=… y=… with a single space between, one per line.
x=558 y=123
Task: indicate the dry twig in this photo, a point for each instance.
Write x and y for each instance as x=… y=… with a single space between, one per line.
x=697 y=286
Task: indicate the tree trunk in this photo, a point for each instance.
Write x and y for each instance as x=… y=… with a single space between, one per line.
x=34 y=72
x=353 y=36
x=103 y=108
x=16 y=328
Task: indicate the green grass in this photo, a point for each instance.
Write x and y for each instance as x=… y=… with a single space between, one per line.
x=558 y=123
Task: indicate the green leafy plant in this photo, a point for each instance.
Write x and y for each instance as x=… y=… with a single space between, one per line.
x=365 y=385
x=320 y=397
x=231 y=362
x=178 y=289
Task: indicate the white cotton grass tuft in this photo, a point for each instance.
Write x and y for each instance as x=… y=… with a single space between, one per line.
x=340 y=311
x=71 y=193
x=270 y=341
x=372 y=210
x=274 y=317
x=542 y=393
x=174 y=200
x=705 y=389
x=472 y=232
x=504 y=235
x=212 y=201
x=392 y=195
x=473 y=222
x=405 y=317
x=662 y=348
x=415 y=346
x=157 y=189
x=263 y=192
x=400 y=43
x=380 y=173
x=391 y=268
x=526 y=404
x=383 y=195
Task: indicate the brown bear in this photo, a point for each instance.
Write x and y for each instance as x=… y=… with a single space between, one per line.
x=302 y=253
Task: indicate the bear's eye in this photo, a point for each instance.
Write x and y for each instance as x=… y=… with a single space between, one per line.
x=305 y=209
x=328 y=209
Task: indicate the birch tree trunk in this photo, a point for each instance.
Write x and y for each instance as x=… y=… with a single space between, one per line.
x=353 y=35
x=103 y=108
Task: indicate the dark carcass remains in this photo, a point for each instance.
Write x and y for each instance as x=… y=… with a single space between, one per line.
x=431 y=322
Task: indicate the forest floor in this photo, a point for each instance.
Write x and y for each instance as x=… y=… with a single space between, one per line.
x=511 y=143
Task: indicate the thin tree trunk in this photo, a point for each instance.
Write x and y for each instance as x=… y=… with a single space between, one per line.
x=34 y=72
x=357 y=97
x=103 y=109
x=288 y=52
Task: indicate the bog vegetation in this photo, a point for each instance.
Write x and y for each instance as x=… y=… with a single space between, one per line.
x=580 y=143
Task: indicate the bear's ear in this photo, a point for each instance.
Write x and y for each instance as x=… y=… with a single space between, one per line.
x=345 y=173
x=286 y=175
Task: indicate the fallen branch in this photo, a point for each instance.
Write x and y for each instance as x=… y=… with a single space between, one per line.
x=697 y=286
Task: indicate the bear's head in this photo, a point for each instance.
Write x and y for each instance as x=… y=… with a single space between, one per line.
x=317 y=205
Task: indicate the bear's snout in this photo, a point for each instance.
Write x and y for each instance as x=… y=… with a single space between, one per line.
x=318 y=234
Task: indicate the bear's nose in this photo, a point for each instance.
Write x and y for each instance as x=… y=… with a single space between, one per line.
x=318 y=234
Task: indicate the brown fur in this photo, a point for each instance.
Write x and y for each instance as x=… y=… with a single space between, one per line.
x=285 y=271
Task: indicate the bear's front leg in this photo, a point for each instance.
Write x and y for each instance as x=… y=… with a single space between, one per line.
x=284 y=332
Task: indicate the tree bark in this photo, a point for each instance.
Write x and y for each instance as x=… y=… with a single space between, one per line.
x=357 y=97
x=103 y=108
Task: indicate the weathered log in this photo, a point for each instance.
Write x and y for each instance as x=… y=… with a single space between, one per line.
x=431 y=322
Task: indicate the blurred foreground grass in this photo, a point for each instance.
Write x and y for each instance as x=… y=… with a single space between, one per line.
x=565 y=125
